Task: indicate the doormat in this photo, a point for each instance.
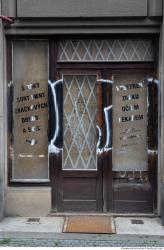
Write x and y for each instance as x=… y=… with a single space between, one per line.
x=89 y=224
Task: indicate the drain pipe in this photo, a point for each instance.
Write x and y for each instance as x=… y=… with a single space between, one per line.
x=6 y=19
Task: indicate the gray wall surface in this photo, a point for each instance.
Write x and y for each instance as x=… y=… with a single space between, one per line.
x=2 y=162
x=161 y=179
x=155 y=8
x=78 y=8
x=9 y=8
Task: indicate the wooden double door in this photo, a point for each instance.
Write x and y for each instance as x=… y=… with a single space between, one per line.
x=103 y=147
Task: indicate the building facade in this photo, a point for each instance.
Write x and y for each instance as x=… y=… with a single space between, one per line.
x=81 y=107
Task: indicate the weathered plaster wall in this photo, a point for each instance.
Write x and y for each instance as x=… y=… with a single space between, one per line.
x=27 y=201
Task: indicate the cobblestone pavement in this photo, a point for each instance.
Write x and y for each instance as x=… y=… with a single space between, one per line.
x=143 y=242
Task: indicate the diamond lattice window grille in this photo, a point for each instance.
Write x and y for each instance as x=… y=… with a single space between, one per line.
x=79 y=122
x=109 y=50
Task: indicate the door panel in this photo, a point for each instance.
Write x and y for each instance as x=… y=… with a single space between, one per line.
x=130 y=122
x=133 y=183
x=105 y=154
x=80 y=174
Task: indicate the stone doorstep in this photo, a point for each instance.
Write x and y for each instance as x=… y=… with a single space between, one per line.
x=50 y=227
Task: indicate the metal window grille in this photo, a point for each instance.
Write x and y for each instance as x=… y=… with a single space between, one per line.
x=108 y=50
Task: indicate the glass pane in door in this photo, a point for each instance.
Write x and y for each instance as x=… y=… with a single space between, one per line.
x=129 y=122
x=79 y=122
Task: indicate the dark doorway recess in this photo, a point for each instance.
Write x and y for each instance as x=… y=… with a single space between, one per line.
x=97 y=187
